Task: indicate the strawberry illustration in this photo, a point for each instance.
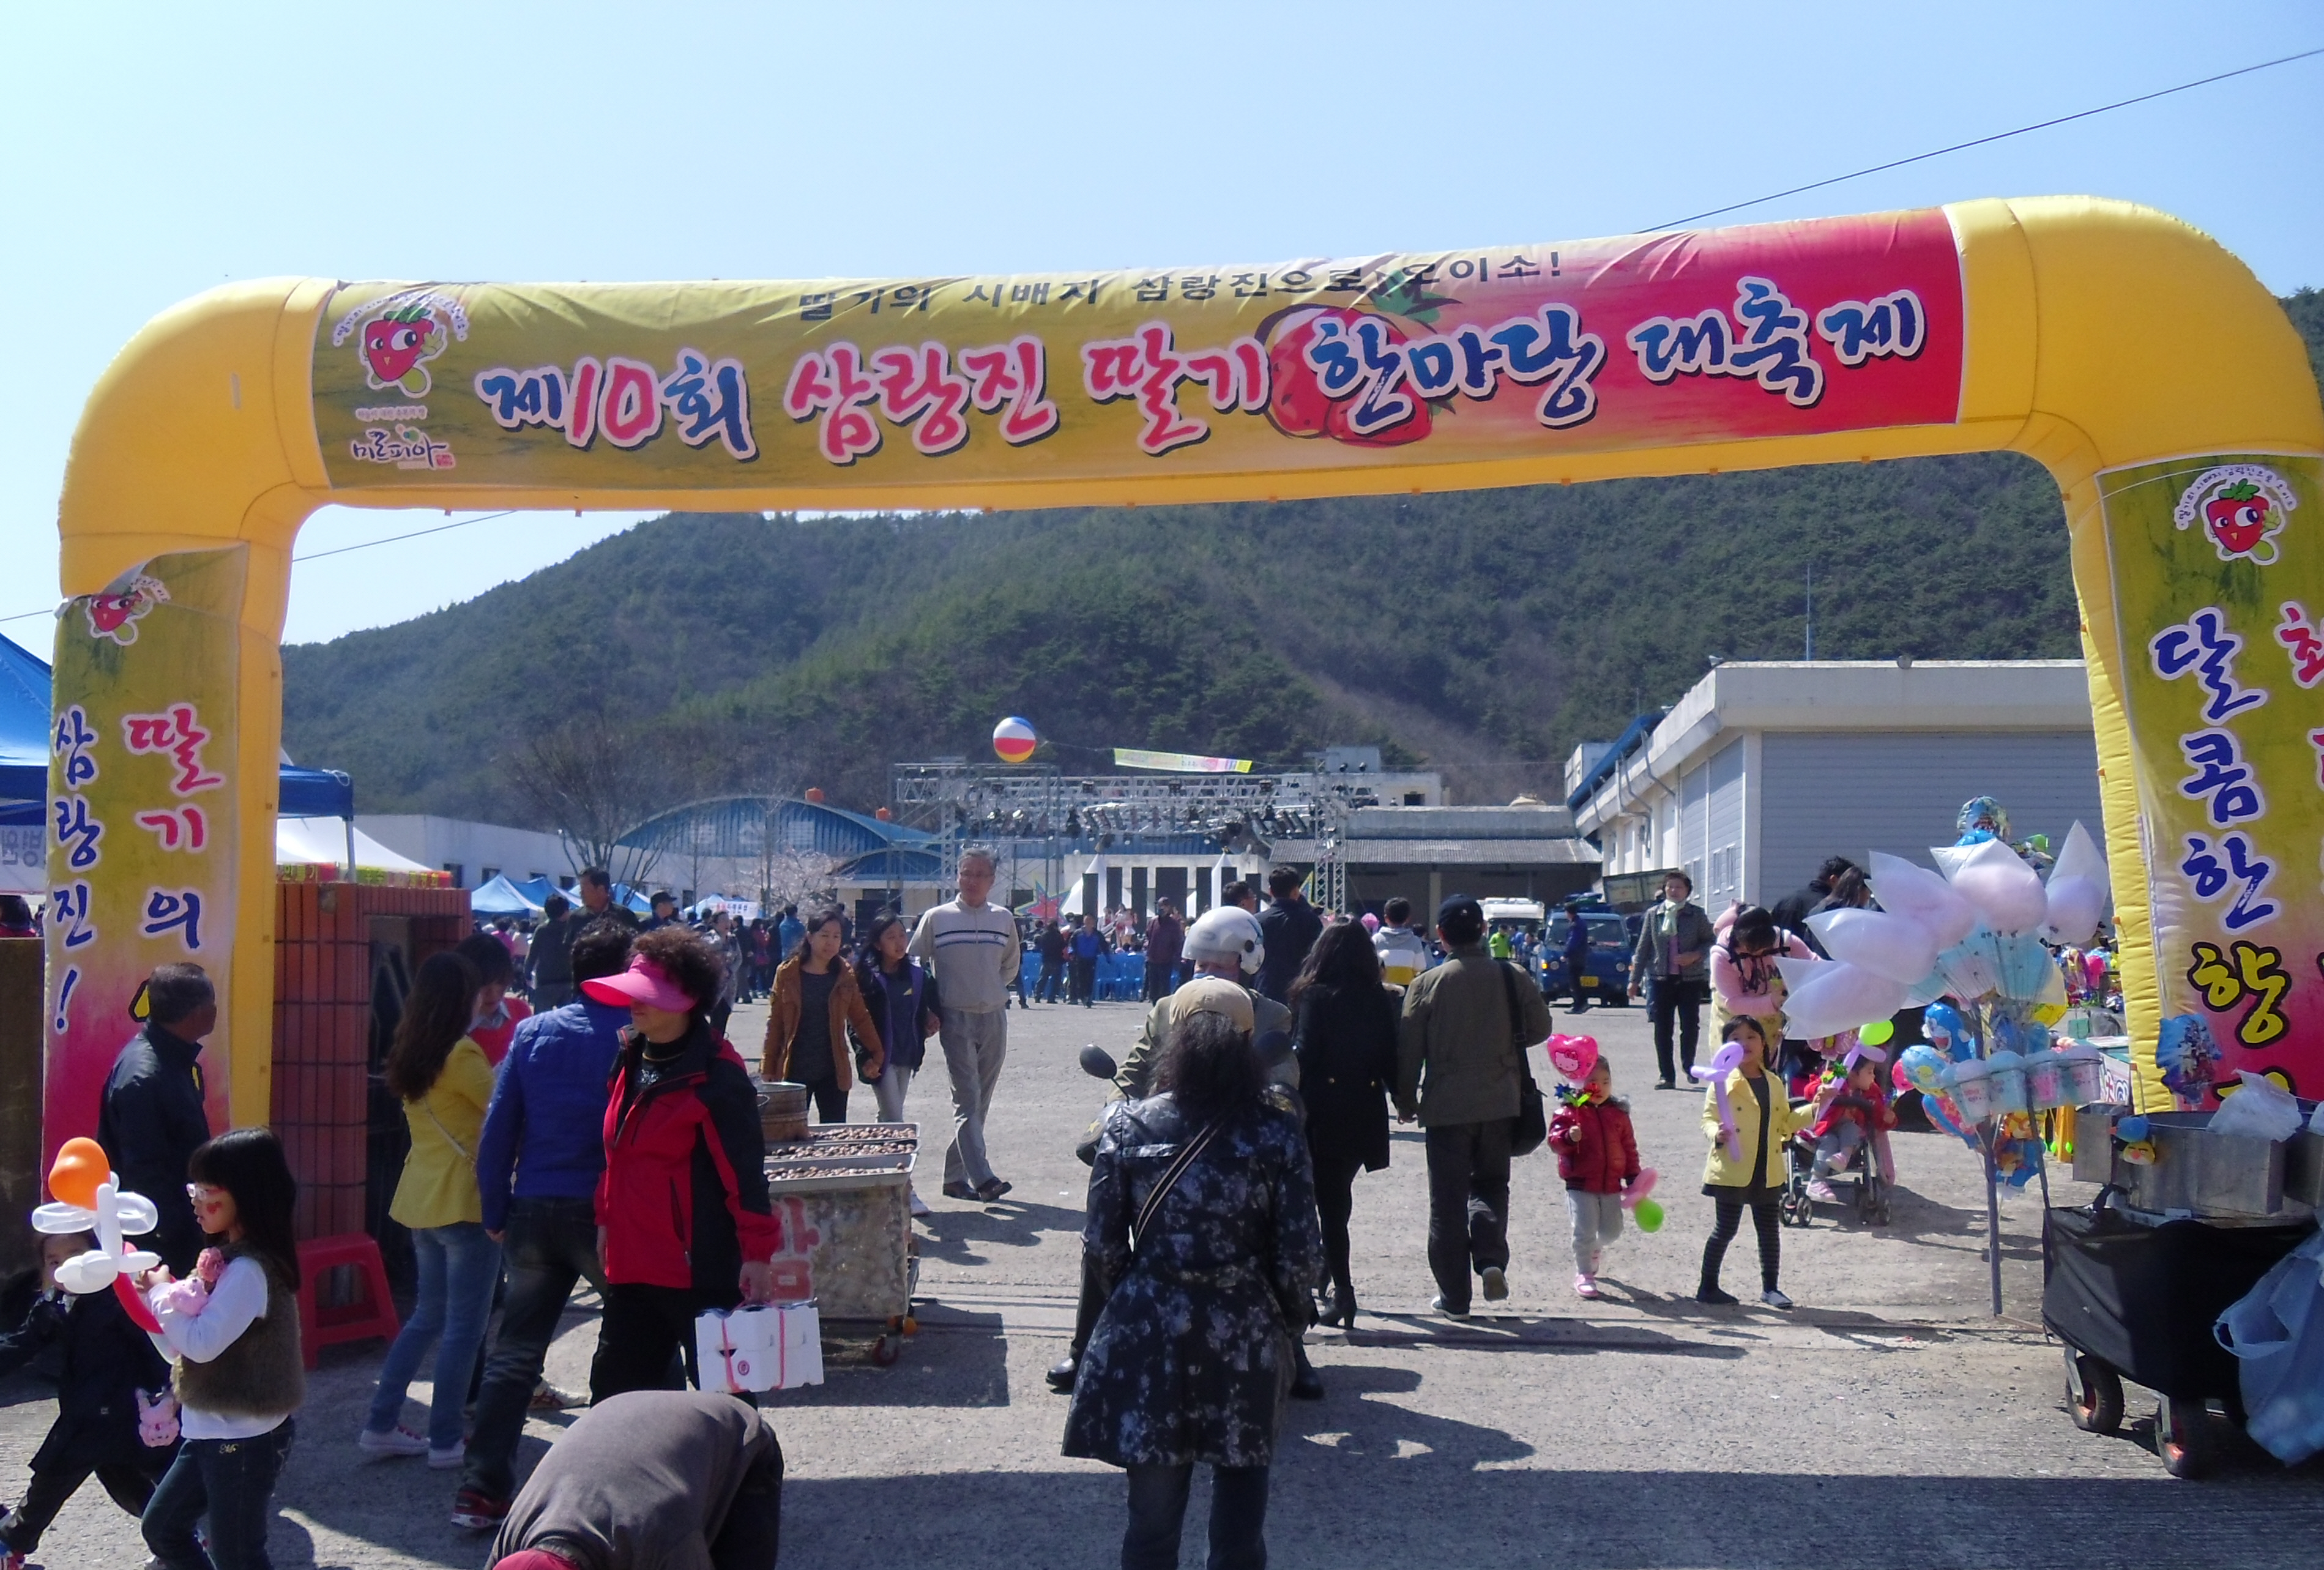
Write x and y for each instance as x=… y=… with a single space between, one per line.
x=394 y=345
x=2237 y=518
x=1296 y=403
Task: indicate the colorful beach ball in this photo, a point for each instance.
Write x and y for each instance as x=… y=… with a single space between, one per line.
x=1014 y=740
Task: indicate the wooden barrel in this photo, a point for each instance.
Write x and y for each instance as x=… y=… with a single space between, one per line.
x=782 y=1111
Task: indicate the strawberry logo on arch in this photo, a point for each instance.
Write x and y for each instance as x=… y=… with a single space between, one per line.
x=395 y=338
x=2241 y=507
x=116 y=612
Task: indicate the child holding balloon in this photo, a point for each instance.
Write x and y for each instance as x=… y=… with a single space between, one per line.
x=1596 y=1154
x=240 y=1372
x=111 y=1378
x=1749 y=1120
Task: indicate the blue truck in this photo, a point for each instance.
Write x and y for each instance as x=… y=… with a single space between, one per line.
x=1606 y=977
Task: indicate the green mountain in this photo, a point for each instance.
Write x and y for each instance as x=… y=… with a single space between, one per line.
x=1483 y=632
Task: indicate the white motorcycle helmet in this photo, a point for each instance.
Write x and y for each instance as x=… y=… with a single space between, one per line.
x=1227 y=932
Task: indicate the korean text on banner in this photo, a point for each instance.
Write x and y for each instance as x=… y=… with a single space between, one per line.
x=2219 y=588
x=142 y=821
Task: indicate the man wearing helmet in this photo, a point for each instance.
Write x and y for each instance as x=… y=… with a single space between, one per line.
x=1225 y=943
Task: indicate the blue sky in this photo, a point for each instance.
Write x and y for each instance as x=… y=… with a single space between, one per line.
x=154 y=154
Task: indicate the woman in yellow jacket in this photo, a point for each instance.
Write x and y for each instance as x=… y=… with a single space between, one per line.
x=444 y=1082
x=1751 y=1173
x=816 y=1000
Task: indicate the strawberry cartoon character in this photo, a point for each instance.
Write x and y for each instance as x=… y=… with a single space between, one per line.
x=2242 y=508
x=115 y=616
x=2237 y=518
x=397 y=345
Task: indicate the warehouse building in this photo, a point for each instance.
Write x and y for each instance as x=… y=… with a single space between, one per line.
x=1765 y=767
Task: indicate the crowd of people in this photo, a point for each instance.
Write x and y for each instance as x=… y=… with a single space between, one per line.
x=602 y=1128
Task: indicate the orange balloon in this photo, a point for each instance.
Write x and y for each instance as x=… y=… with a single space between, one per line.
x=80 y=1166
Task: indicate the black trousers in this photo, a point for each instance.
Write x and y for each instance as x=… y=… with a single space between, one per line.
x=548 y=1246
x=830 y=1101
x=1468 y=1203
x=1335 y=1201
x=1158 y=1513
x=643 y=1329
x=1669 y=1000
x=1052 y=979
x=1085 y=975
x=130 y=1486
x=1730 y=1221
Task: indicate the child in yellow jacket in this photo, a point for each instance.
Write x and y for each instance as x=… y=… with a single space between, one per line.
x=1746 y=1165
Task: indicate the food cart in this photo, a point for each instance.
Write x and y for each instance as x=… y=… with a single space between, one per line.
x=2186 y=1224
x=843 y=1194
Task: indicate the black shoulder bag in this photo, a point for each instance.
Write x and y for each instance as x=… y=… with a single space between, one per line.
x=1529 y=1130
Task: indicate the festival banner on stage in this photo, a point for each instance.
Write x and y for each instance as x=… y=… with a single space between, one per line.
x=142 y=821
x=1178 y=763
x=1499 y=352
x=2219 y=588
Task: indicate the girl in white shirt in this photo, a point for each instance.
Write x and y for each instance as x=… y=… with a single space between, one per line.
x=239 y=1372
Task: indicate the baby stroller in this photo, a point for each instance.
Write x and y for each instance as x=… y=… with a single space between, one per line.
x=1797 y=1206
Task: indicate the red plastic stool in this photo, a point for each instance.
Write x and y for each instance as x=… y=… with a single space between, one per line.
x=372 y=1314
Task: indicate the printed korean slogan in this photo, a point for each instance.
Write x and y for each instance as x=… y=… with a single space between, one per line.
x=1499 y=352
x=2219 y=581
x=143 y=817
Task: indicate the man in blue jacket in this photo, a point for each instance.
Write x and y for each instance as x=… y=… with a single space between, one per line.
x=538 y=1162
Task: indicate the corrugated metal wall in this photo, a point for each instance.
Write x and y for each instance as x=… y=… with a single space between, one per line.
x=1851 y=794
x=1711 y=826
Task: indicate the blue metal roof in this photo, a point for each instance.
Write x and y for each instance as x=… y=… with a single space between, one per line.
x=1629 y=741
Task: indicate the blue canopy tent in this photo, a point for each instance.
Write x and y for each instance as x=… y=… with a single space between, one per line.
x=501 y=898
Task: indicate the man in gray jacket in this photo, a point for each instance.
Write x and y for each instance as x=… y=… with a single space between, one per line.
x=1458 y=1069
x=1672 y=967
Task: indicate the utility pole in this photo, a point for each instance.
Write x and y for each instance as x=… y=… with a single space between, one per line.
x=1810 y=654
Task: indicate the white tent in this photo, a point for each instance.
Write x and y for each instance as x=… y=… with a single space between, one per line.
x=1071 y=905
x=327 y=842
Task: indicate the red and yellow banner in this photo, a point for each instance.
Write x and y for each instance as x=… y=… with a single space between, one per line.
x=1501 y=352
x=142 y=816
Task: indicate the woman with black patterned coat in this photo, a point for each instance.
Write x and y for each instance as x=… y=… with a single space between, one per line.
x=1193 y=1354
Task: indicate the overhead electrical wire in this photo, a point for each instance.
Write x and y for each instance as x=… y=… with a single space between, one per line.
x=1987 y=140
x=335 y=550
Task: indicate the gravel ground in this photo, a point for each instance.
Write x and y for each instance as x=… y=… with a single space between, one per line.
x=1889 y=1421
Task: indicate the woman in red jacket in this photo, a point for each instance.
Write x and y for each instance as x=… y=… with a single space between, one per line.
x=683 y=1223
x=1598 y=1156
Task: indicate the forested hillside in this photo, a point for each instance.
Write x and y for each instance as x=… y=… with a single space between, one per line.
x=1484 y=632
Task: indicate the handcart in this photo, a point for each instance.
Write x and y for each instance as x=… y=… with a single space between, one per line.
x=844 y=1197
x=2134 y=1298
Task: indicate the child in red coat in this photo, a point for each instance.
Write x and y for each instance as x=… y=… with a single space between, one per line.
x=1598 y=1156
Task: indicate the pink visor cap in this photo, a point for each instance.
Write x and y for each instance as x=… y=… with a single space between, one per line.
x=643 y=983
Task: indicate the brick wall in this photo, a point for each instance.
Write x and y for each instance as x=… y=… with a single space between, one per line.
x=324 y=1052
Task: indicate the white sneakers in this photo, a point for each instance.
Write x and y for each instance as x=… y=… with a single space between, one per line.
x=1497 y=1283
x=1585 y=1284
x=1775 y=1300
x=396 y=1441
x=401 y=1441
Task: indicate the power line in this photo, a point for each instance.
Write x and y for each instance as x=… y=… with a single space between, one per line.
x=339 y=550
x=1983 y=141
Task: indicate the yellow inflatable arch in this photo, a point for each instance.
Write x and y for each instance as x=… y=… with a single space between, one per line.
x=2142 y=364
